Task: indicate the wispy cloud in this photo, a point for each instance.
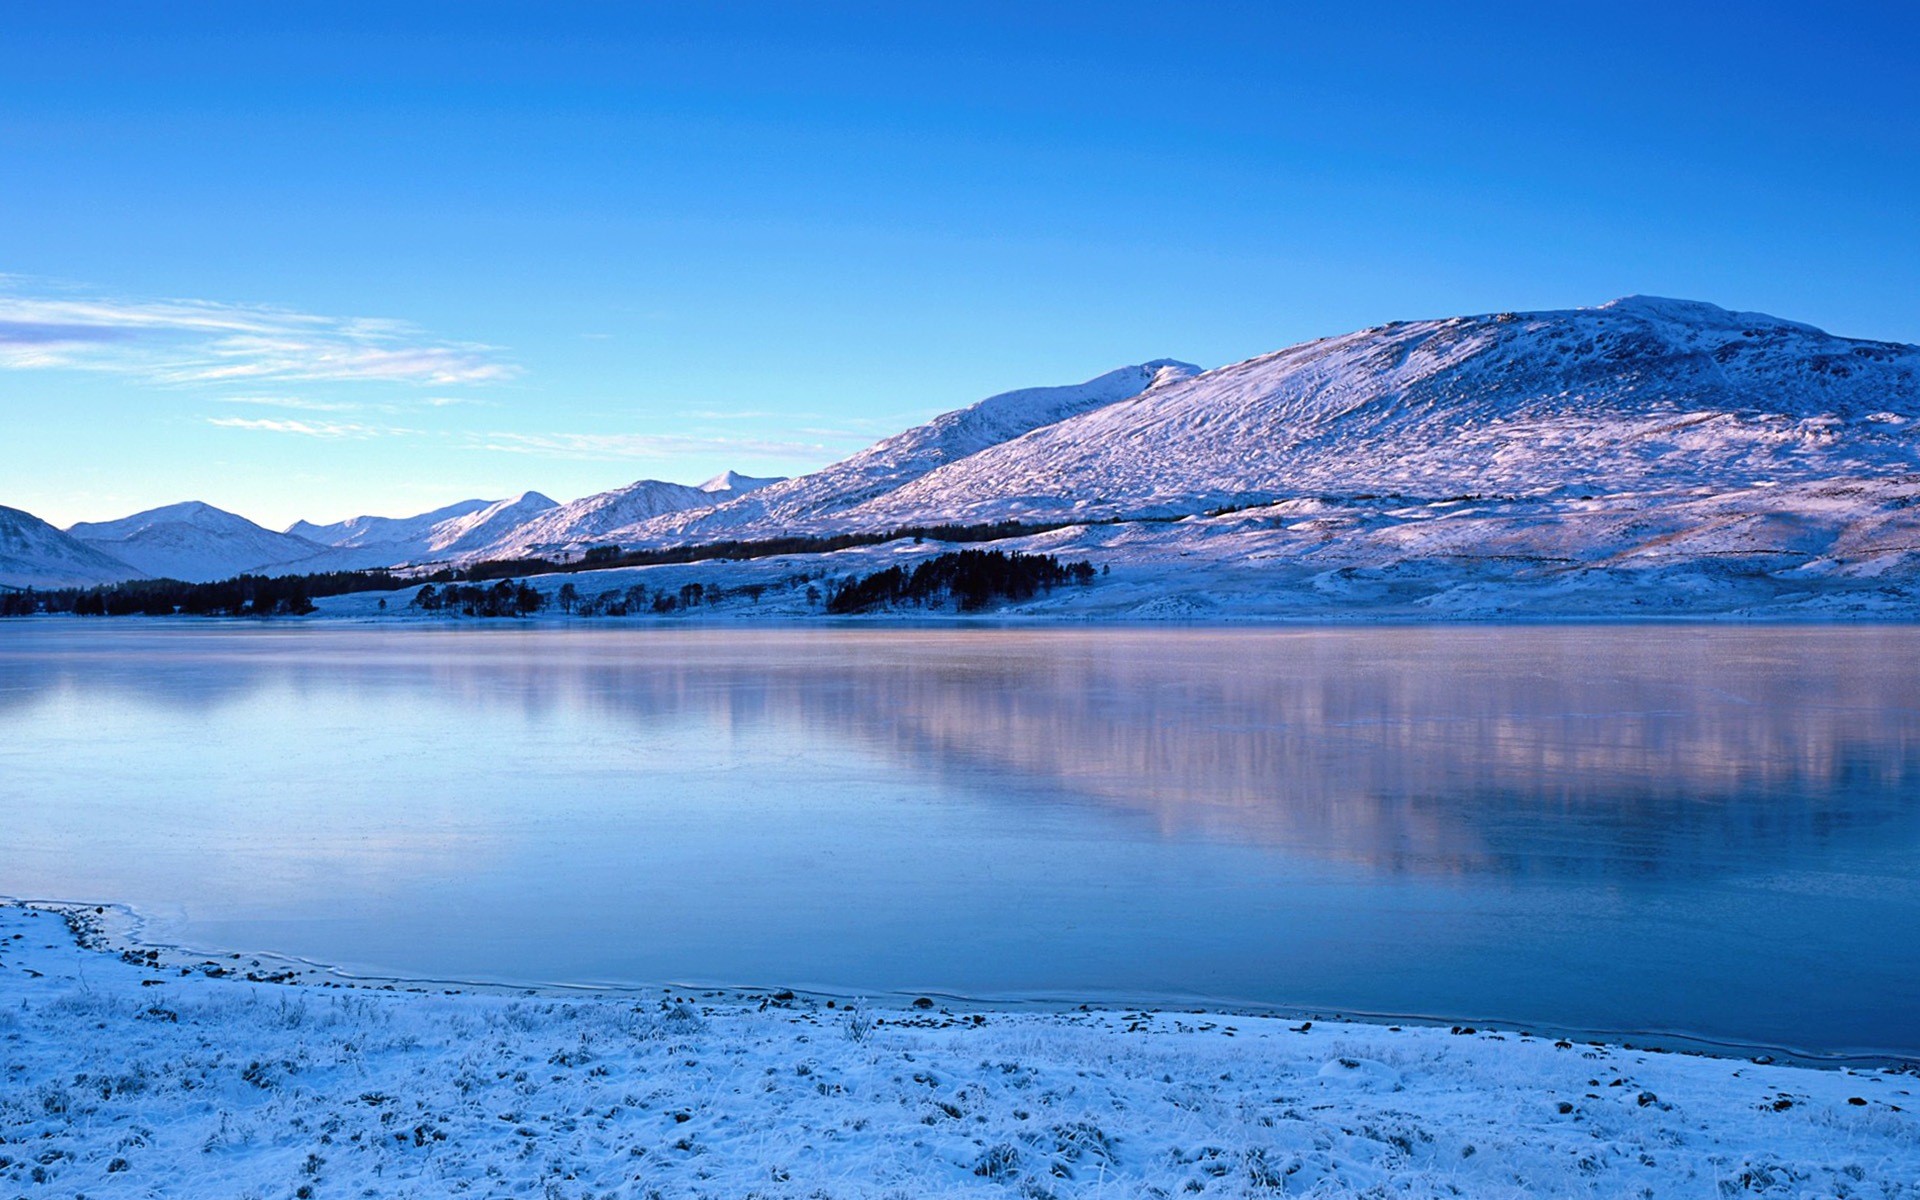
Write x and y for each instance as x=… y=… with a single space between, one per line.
x=295 y=402
x=714 y=414
x=613 y=447
x=592 y=447
x=318 y=429
x=209 y=342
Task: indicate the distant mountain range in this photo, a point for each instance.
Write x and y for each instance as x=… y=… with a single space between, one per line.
x=197 y=542
x=1640 y=427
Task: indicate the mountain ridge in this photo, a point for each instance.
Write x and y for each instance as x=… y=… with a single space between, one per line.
x=1641 y=392
x=897 y=460
x=367 y=530
x=604 y=515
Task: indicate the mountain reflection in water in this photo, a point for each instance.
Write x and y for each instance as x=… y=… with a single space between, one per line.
x=1413 y=819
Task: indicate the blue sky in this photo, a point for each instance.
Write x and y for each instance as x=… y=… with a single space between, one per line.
x=311 y=260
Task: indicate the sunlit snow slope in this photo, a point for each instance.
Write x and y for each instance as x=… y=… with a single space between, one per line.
x=384 y=531
x=1638 y=394
x=604 y=516
x=820 y=501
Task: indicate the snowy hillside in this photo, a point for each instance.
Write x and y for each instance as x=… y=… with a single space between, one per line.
x=605 y=516
x=383 y=531
x=195 y=542
x=1638 y=394
x=35 y=554
x=468 y=529
x=816 y=502
x=652 y=511
x=728 y=484
x=476 y=530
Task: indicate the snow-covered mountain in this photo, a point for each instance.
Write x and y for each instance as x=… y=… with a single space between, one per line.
x=1642 y=393
x=195 y=542
x=35 y=554
x=653 y=512
x=465 y=530
x=462 y=536
x=728 y=484
x=384 y=531
x=608 y=515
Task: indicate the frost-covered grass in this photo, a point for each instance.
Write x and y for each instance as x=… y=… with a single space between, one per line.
x=137 y=1075
x=1841 y=549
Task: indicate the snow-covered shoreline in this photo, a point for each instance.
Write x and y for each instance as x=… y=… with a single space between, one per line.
x=142 y=1074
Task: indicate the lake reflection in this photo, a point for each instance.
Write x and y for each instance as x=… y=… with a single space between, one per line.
x=1709 y=831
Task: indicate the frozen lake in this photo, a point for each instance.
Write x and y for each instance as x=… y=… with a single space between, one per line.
x=1709 y=831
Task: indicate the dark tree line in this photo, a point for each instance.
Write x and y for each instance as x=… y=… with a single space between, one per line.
x=503 y=599
x=638 y=599
x=972 y=579
x=241 y=596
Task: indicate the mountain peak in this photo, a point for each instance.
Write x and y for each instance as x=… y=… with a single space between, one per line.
x=193 y=540
x=1168 y=371
x=197 y=513
x=1676 y=304
x=734 y=481
x=185 y=510
x=1696 y=312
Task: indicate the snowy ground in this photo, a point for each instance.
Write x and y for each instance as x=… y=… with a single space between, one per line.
x=1822 y=552
x=158 y=1074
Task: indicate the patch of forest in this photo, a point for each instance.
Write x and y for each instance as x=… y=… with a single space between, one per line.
x=504 y=599
x=241 y=596
x=969 y=579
